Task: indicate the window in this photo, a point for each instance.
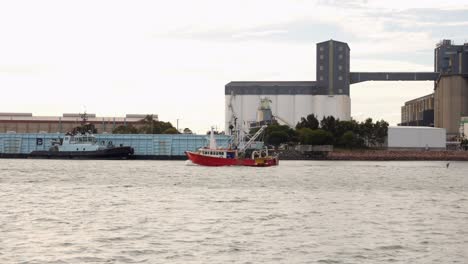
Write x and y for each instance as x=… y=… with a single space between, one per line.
x=340 y=90
x=321 y=48
x=340 y=56
x=321 y=67
x=340 y=48
x=340 y=67
x=340 y=78
x=321 y=57
x=321 y=78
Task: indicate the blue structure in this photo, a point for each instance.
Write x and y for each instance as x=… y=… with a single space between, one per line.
x=145 y=145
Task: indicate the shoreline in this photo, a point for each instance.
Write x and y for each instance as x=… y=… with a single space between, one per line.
x=350 y=155
x=386 y=155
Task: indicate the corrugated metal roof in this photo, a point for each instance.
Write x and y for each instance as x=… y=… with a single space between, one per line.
x=271 y=83
x=70 y=118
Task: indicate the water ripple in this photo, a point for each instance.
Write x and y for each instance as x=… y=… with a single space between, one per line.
x=167 y=212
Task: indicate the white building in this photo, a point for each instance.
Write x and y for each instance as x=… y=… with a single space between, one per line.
x=407 y=137
x=289 y=101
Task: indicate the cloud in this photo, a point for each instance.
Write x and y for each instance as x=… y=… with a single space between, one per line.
x=21 y=69
x=165 y=57
x=263 y=33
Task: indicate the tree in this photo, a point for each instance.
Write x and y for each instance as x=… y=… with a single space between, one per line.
x=367 y=128
x=151 y=126
x=276 y=138
x=310 y=121
x=308 y=136
x=128 y=129
x=171 y=130
x=187 y=131
x=329 y=124
x=380 y=131
x=349 y=139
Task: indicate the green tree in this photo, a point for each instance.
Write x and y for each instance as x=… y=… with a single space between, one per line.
x=380 y=131
x=151 y=126
x=128 y=129
x=349 y=139
x=310 y=121
x=308 y=136
x=171 y=130
x=276 y=138
x=329 y=124
x=366 y=129
x=187 y=131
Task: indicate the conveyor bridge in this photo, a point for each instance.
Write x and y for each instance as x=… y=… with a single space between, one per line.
x=356 y=77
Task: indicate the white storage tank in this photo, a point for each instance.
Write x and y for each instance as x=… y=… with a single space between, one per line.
x=409 y=137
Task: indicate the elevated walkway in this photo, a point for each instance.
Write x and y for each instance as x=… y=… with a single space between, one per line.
x=356 y=77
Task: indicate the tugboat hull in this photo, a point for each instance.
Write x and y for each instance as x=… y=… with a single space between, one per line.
x=111 y=153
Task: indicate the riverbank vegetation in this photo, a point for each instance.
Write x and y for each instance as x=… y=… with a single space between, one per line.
x=329 y=131
x=148 y=126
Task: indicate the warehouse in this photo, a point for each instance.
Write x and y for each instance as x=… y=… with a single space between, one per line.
x=146 y=146
x=414 y=138
x=27 y=123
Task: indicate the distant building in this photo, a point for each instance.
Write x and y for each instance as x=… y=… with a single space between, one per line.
x=450 y=58
x=418 y=112
x=414 y=138
x=291 y=100
x=464 y=127
x=333 y=62
x=27 y=123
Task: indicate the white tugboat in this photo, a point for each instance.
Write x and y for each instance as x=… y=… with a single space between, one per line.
x=83 y=146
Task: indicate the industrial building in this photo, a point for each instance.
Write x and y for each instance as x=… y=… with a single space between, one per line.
x=27 y=123
x=418 y=112
x=290 y=101
x=464 y=127
x=416 y=138
x=450 y=92
x=328 y=96
x=148 y=146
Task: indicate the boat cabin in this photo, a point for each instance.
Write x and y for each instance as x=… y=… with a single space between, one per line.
x=79 y=142
x=82 y=139
x=219 y=153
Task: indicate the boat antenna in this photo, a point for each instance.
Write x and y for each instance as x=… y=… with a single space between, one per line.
x=212 y=139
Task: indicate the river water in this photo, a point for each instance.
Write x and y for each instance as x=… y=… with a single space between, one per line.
x=172 y=212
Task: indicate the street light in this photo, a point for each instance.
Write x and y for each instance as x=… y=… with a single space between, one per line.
x=178 y=124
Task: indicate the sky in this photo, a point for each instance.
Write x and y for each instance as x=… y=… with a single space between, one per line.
x=173 y=58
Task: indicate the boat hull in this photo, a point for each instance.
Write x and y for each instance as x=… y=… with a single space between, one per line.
x=215 y=161
x=111 y=153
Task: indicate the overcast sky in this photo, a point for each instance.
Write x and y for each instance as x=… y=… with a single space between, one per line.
x=173 y=58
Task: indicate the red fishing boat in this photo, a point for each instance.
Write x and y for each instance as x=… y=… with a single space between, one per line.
x=236 y=155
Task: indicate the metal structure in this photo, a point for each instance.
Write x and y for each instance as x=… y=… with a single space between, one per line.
x=329 y=95
x=356 y=77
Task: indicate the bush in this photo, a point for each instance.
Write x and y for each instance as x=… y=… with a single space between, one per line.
x=308 y=136
x=277 y=137
x=348 y=139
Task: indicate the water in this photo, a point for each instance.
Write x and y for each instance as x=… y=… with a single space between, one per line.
x=170 y=212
